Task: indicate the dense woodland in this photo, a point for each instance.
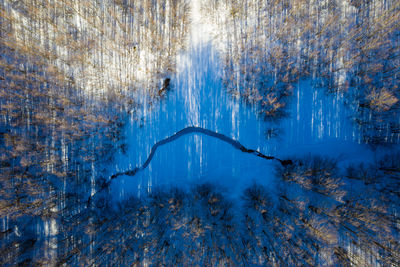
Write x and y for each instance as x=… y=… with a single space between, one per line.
x=71 y=71
x=315 y=215
x=344 y=46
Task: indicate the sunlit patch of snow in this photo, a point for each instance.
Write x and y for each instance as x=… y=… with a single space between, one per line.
x=201 y=29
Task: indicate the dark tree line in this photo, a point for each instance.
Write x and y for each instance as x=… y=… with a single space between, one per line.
x=314 y=215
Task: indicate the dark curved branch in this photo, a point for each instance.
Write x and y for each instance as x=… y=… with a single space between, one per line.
x=189 y=130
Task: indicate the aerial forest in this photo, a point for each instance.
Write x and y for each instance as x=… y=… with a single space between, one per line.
x=199 y=133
